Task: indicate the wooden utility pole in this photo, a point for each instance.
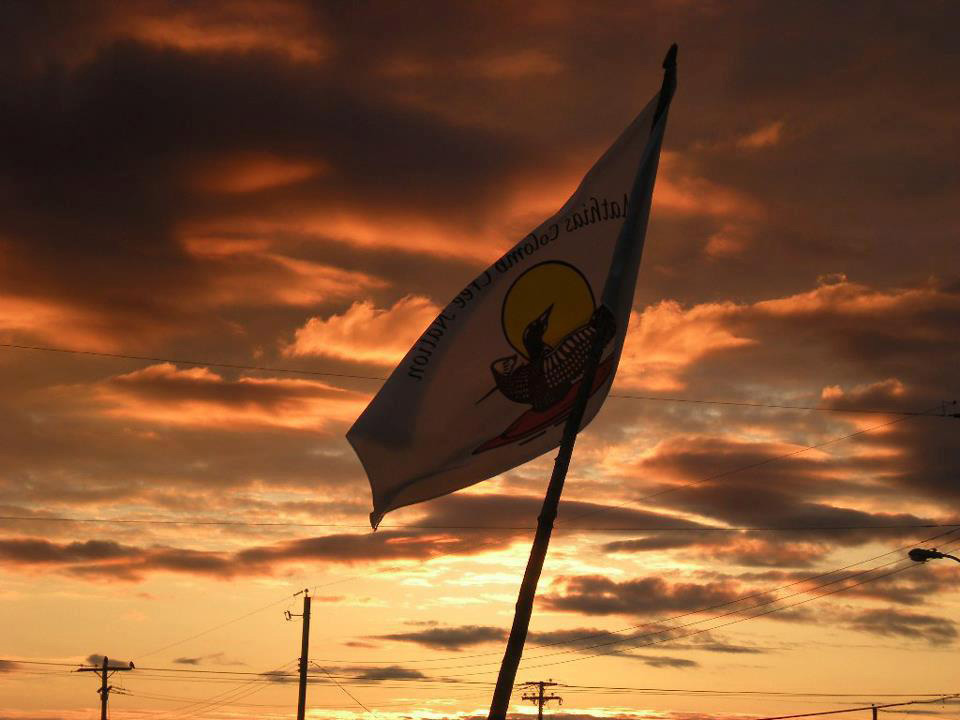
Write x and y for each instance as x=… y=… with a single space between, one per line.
x=105 y=689
x=539 y=698
x=304 y=651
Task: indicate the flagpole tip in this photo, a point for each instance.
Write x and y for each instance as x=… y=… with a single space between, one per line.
x=670 y=61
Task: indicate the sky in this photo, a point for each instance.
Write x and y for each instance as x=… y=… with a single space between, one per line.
x=296 y=185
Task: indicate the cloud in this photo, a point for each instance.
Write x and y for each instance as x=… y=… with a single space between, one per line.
x=364 y=333
x=198 y=396
x=897 y=623
x=443 y=522
x=598 y=595
x=217 y=27
x=377 y=674
x=253 y=172
x=664 y=340
x=217 y=658
x=681 y=191
x=662 y=661
x=450 y=638
x=97 y=661
x=42 y=552
x=764 y=136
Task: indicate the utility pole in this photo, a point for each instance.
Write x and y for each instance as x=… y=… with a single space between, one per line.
x=874 y=708
x=105 y=689
x=539 y=698
x=304 y=650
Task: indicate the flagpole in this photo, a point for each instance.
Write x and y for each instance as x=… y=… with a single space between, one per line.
x=548 y=513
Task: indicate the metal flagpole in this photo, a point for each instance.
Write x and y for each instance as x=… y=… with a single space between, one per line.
x=548 y=513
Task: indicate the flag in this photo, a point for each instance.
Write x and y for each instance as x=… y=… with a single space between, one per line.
x=489 y=383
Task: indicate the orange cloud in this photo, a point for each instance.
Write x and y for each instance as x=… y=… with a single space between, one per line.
x=244 y=262
x=681 y=192
x=664 y=340
x=763 y=137
x=53 y=322
x=365 y=333
x=530 y=62
x=251 y=172
x=407 y=233
x=519 y=64
x=729 y=241
x=168 y=395
x=853 y=300
x=238 y=26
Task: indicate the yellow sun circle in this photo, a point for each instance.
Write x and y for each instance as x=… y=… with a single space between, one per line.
x=549 y=283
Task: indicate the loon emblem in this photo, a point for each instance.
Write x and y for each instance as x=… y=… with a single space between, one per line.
x=550 y=319
x=551 y=371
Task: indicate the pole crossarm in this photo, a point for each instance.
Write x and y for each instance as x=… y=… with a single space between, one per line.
x=538 y=697
x=106 y=670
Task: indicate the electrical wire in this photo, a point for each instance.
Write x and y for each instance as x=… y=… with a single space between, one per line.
x=734 y=622
x=860 y=709
x=352 y=376
x=657 y=623
x=672 y=637
x=220 y=674
x=741 y=468
x=343 y=689
x=221 y=699
x=213 y=629
x=511 y=528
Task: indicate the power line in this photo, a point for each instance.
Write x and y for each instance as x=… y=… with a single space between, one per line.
x=699 y=631
x=223 y=674
x=366 y=526
x=352 y=376
x=221 y=699
x=655 y=623
x=212 y=629
x=708 y=692
x=860 y=709
x=749 y=466
x=771 y=693
x=732 y=622
x=343 y=689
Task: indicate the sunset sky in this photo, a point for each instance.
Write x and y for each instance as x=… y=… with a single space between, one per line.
x=303 y=186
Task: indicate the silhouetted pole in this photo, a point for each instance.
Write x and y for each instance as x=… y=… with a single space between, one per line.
x=874 y=708
x=304 y=649
x=548 y=513
x=104 y=688
x=540 y=699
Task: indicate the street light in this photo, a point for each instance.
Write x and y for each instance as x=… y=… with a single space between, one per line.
x=923 y=554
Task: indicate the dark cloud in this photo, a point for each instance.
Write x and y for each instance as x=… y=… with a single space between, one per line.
x=112 y=662
x=598 y=595
x=456 y=525
x=450 y=638
x=897 y=623
x=187 y=660
x=520 y=511
x=376 y=674
x=662 y=661
x=218 y=658
x=40 y=552
x=201 y=184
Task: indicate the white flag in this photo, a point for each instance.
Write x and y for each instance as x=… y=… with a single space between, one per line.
x=489 y=383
